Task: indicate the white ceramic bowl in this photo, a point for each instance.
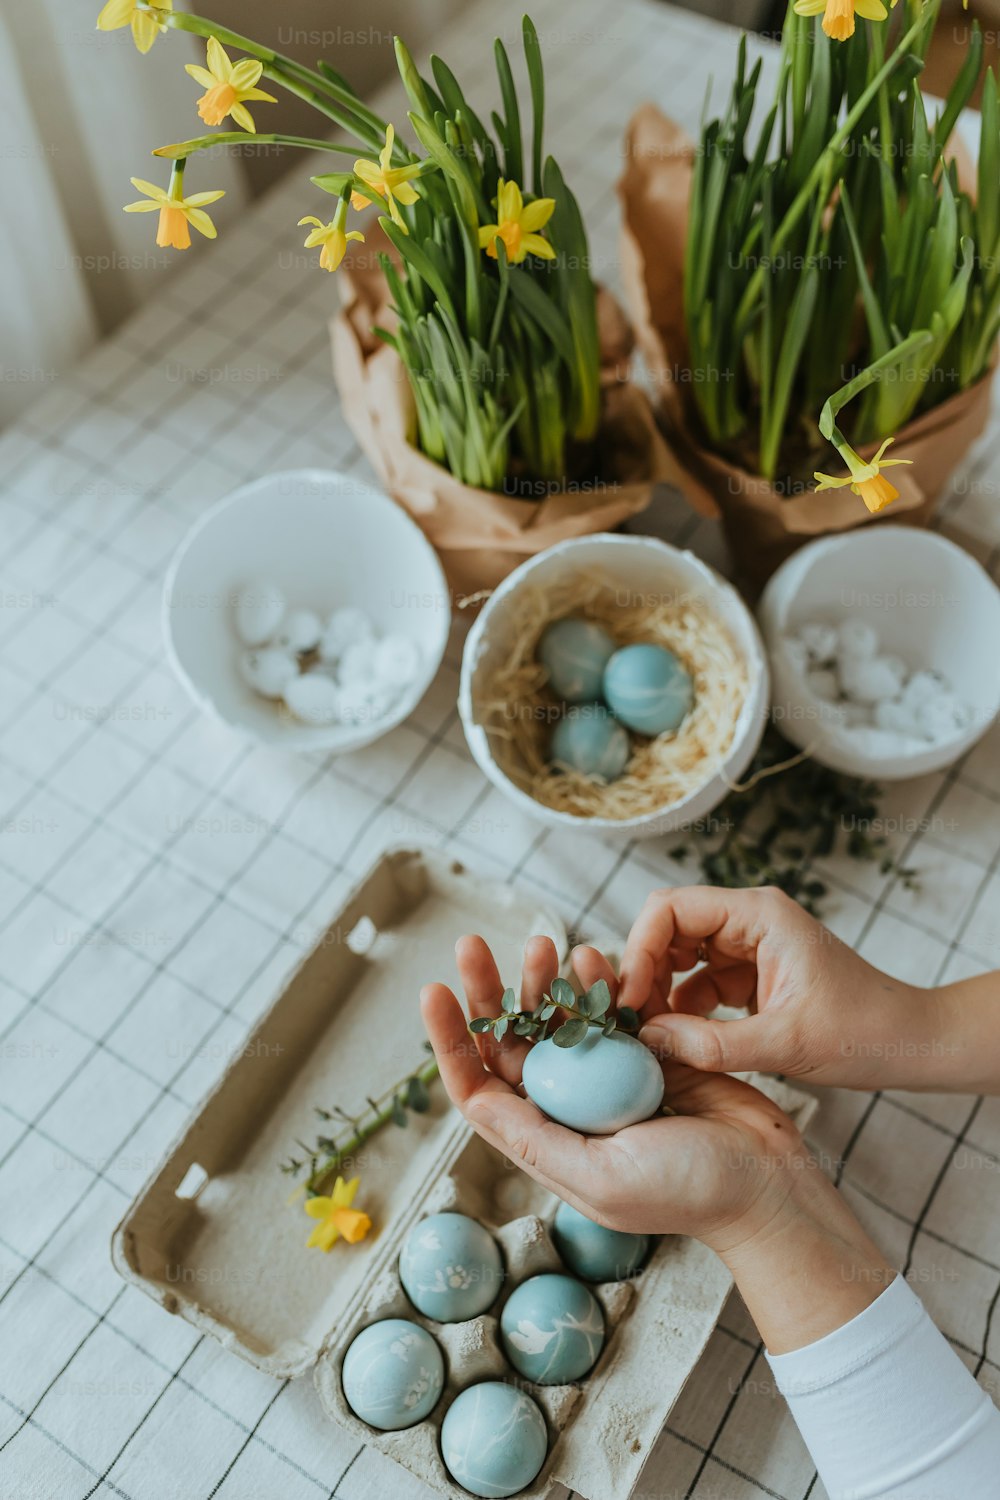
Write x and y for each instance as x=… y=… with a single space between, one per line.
x=325 y=540
x=641 y=565
x=931 y=604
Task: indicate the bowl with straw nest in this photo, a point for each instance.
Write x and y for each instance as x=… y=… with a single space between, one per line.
x=636 y=591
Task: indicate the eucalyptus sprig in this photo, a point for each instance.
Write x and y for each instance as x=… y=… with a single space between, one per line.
x=351 y=1130
x=581 y=1012
x=780 y=824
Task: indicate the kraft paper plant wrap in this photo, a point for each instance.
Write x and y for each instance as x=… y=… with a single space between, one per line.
x=764 y=525
x=483 y=535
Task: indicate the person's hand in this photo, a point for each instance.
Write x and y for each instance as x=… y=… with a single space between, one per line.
x=815 y=1009
x=714 y=1170
x=728 y=1167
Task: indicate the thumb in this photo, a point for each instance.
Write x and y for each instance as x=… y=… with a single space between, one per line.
x=749 y=1044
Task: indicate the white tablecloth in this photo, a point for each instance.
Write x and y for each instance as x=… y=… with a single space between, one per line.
x=157 y=876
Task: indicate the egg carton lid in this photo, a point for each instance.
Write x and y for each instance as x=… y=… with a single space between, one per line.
x=211 y=1235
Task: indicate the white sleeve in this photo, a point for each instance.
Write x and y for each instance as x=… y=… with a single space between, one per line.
x=887 y=1409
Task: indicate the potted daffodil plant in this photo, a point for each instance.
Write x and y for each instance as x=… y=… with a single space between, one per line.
x=479 y=365
x=821 y=270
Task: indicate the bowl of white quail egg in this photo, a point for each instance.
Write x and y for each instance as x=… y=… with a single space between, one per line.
x=884 y=651
x=306 y=611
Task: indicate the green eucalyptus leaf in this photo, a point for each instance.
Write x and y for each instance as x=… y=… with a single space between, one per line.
x=481 y=1024
x=609 y=1026
x=547 y=1011
x=562 y=992
x=598 y=999
x=418 y=1096
x=508 y=1001
x=570 y=1033
x=500 y=1027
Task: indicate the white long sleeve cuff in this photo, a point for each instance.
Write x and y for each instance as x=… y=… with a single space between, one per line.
x=887 y=1409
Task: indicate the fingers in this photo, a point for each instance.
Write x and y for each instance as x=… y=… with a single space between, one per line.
x=483 y=990
x=758 y=1043
x=462 y=1070
x=734 y=985
x=733 y=921
x=590 y=966
x=540 y=967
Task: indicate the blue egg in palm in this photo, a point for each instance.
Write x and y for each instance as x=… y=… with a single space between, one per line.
x=575 y=652
x=648 y=689
x=594 y=1252
x=589 y=740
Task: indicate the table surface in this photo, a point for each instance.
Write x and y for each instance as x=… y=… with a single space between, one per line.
x=157 y=876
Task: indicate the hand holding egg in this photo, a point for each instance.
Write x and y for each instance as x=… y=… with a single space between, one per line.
x=710 y=1169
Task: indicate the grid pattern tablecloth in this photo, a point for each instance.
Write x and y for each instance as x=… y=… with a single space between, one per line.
x=157 y=876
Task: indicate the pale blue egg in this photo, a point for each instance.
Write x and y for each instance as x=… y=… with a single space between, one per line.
x=552 y=1329
x=575 y=652
x=648 y=689
x=493 y=1439
x=599 y=1086
x=450 y=1268
x=589 y=741
x=393 y=1374
x=594 y=1252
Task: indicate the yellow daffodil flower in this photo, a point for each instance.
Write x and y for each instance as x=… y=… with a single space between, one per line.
x=838 y=15
x=337 y=1217
x=386 y=181
x=518 y=225
x=145 y=27
x=228 y=85
x=176 y=212
x=866 y=480
x=331 y=236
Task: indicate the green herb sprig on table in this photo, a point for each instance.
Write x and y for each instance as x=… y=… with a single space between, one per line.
x=330 y=1149
x=776 y=828
x=573 y=1015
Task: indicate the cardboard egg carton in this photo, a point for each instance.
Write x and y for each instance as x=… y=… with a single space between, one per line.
x=213 y=1238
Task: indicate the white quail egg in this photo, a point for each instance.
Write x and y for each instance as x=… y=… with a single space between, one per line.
x=260 y=608
x=357 y=663
x=869 y=681
x=820 y=641
x=268 y=671
x=857 y=640
x=397 y=660
x=344 y=628
x=941 y=717
x=300 y=632
x=823 y=684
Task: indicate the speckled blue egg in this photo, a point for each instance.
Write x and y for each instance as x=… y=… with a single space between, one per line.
x=599 y=1086
x=493 y=1439
x=589 y=741
x=393 y=1374
x=575 y=652
x=552 y=1329
x=594 y=1252
x=450 y=1268
x=647 y=688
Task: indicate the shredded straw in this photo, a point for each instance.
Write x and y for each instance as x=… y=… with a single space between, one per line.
x=518 y=712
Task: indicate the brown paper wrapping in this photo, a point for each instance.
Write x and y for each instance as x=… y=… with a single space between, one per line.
x=763 y=525
x=482 y=536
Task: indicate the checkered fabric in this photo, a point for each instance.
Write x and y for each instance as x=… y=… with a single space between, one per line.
x=157 y=876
